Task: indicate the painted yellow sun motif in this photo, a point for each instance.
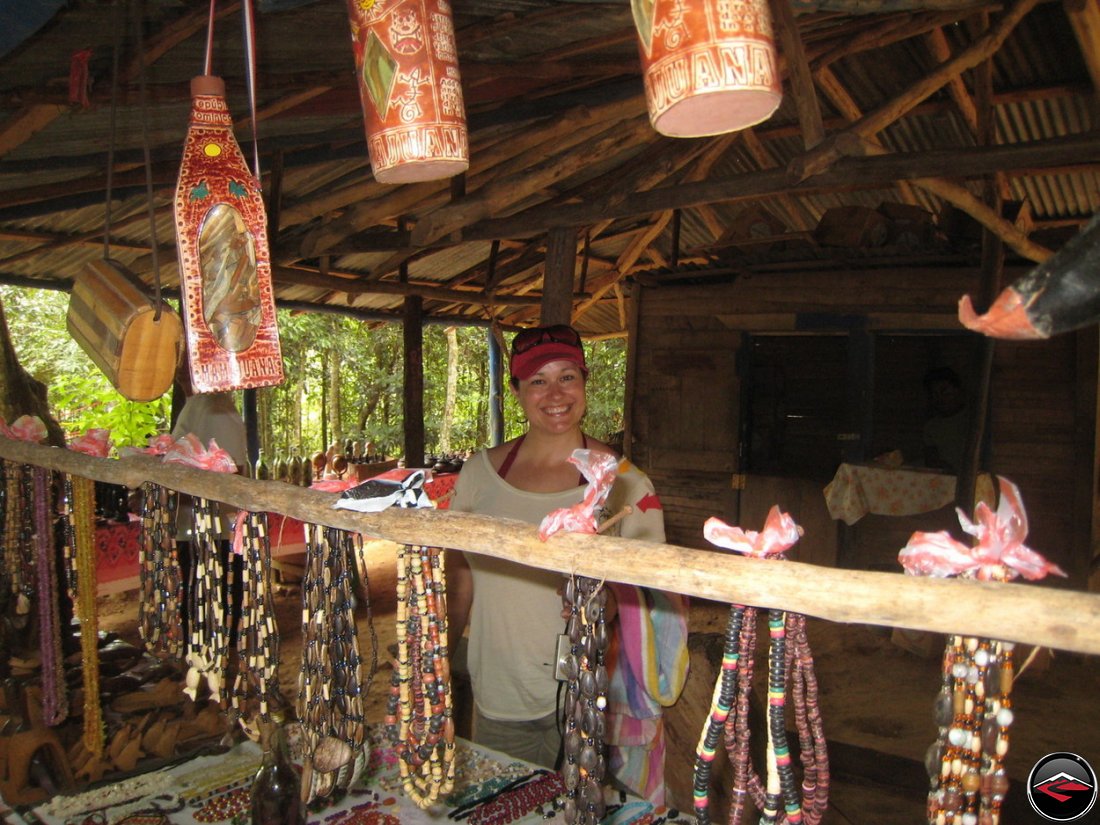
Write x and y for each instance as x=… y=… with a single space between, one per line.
x=211 y=150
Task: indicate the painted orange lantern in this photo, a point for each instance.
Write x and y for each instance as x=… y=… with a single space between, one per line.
x=710 y=66
x=406 y=61
x=225 y=264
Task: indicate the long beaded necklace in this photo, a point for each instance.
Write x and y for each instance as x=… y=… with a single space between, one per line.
x=973 y=710
x=586 y=700
x=19 y=543
x=330 y=683
x=419 y=715
x=55 y=701
x=790 y=663
x=159 y=619
x=209 y=640
x=80 y=553
x=258 y=641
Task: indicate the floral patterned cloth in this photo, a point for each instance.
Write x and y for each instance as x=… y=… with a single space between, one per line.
x=859 y=489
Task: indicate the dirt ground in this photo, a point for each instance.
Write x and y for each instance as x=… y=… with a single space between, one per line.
x=875 y=694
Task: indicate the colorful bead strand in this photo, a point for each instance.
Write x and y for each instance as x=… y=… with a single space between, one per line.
x=419 y=715
x=81 y=517
x=55 y=701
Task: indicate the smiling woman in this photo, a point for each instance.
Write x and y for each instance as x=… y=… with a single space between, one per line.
x=515 y=612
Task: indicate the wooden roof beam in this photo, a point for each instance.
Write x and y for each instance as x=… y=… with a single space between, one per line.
x=828 y=152
x=1084 y=16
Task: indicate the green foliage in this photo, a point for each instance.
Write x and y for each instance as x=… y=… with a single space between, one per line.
x=79 y=394
x=369 y=359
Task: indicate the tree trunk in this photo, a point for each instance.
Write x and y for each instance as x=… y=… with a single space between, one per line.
x=452 y=390
x=332 y=370
x=20 y=393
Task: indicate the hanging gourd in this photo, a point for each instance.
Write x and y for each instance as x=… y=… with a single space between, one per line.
x=224 y=257
x=406 y=62
x=709 y=67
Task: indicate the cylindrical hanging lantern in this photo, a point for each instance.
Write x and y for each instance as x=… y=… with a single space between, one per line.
x=224 y=259
x=709 y=66
x=406 y=61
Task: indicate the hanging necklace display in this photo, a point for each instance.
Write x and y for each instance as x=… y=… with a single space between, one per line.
x=331 y=688
x=80 y=555
x=221 y=235
x=419 y=715
x=585 y=667
x=133 y=338
x=789 y=662
x=257 y=681
x=973 y=710
x=406 y=63
x=585 y=700
x=19 y=571
x=55 y=700
x=208 y=639
x=160 y=581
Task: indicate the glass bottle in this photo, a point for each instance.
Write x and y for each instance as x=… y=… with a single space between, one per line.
x=276 y=796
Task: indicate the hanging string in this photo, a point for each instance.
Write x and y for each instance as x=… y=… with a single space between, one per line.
x=148 y=164
x=117 y=47
x=250 y=68
x=208 y=63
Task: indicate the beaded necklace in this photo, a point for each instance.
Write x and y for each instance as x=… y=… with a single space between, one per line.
x=973 y=712
x=419 y=716
x=209 y=640
x=973 y=709
x=258 y=640
x=55 y=702
x=80 y=552
x=19 y=542
x=790 y=664
x=330 y=682
x=159 y=619
x=586 y=700
x=13 y=505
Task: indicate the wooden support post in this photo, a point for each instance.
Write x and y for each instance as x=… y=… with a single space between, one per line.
x=414 y=381
x=496 y=391
x=557 y=282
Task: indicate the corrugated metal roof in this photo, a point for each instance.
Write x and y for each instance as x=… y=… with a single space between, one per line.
x=528 y=65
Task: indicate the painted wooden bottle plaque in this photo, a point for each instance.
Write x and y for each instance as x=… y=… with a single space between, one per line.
x=225 y=265
x=710 y=66
x=406 y=62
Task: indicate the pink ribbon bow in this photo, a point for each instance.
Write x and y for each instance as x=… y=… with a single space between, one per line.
x=600 y=469
x=25 y=428
x=998 y=554
x=158 y=445
x=96 y=442
x=189 y=450
x=780 y=532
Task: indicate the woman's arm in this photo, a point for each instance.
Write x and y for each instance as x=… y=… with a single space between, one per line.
x=460 y=595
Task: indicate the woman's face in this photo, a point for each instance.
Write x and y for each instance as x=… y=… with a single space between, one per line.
x=553 y=398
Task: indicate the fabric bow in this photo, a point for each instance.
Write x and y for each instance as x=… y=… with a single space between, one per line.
x=780 y=532
x=158 y=445
x=999 y=552
x=189 y=450
x=24 y=428
x=601 y=470
x=96 y=442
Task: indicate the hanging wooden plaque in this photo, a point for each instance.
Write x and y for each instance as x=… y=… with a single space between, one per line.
x=406 y=62
x=709 y=66
x=225 y=264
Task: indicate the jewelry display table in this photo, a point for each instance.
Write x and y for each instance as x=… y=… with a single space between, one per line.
x=489 y=788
